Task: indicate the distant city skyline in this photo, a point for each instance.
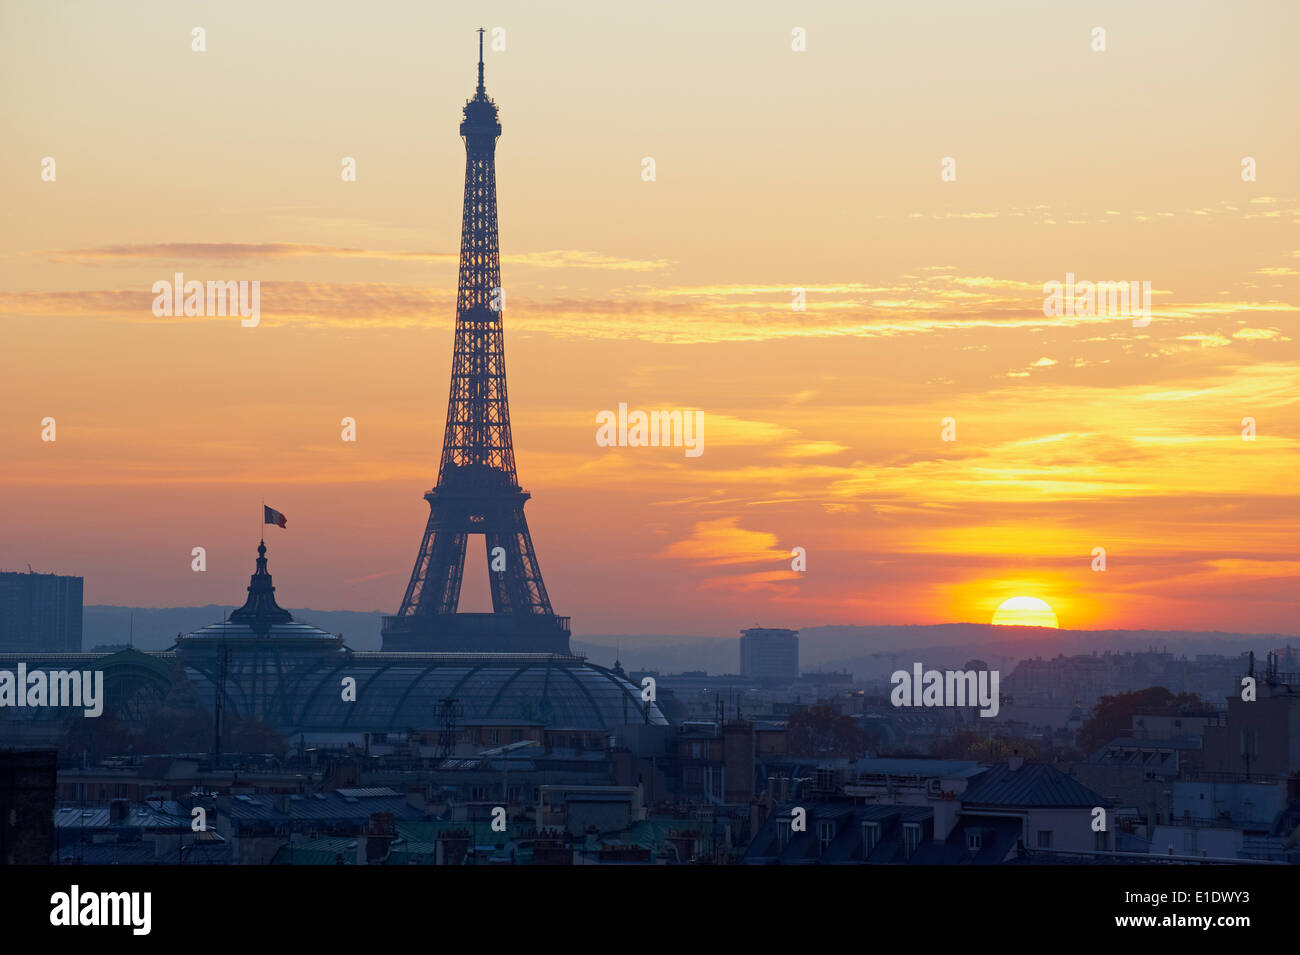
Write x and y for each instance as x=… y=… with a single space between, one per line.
x=775 y=171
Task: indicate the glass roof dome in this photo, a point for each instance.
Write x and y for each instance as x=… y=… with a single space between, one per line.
x=396 y=692
x=291 y=675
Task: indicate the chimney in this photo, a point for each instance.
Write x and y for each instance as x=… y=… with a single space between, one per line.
x=376 y=840
x=1015 y=761
x=118 y=810
x=451 y=847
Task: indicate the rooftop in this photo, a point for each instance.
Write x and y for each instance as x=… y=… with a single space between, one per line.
x=1033 y=784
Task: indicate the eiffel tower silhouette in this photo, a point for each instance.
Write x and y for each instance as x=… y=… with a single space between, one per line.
x=478 y=490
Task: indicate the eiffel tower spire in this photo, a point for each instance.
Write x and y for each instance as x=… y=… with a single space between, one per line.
x=478 y=490
x=479 y=93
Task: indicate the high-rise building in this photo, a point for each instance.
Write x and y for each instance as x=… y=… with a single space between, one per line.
x=769 y=653
x=40 y=613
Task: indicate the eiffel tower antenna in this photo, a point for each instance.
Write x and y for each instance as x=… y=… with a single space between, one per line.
x=480 y=91
x=478 y=490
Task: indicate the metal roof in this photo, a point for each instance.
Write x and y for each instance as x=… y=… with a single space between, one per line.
x=346 y=804
x=583 y=797
x=327 y=851
x=367 y=793
x=141 y=853
x=167 y=815
x=1033 y=784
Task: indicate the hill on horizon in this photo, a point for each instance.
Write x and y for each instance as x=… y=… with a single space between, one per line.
x=855 y=648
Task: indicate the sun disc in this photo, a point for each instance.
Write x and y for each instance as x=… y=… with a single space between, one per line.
x=1025 y=612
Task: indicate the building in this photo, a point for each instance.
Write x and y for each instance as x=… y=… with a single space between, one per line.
x=769 y=653
x=1232 y=820
x=1259 y=737
x=1017 y=806
x=308 y=683
x=40 y=613
x=932 y=812
x=311 y=687
x=27 y=788
x=1086 y=678
x=841 y=832
x=153 y=832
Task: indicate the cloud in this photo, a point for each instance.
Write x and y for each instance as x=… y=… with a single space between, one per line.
x=165 y=252
x=739 y=312
x=813 y=449
x=759 y=581
x=168 y=252
x=1260 y=335
x=722 y=542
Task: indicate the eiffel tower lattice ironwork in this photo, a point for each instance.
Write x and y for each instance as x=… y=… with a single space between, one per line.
x=478 y=491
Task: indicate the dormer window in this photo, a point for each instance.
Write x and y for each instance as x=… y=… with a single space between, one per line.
x=825 y=834
x=870 y=837
x=911 y=838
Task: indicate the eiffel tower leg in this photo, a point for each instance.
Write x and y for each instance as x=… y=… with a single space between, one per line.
x=519 y=588
x=439 y=568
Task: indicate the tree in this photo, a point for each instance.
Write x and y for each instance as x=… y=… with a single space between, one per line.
x=1114 y=714
x=982 y=748
x=254 y=736
x=180 y=724
x=96 y=738
x=821 y=731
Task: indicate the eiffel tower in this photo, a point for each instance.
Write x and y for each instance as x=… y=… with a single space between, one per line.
x=478 y=490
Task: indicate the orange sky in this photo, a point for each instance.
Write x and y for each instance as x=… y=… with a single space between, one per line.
x=775 y=170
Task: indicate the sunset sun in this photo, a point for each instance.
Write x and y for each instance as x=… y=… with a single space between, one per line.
x=1025 y=612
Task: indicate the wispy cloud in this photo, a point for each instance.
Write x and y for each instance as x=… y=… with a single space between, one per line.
x=163 y=253
x=724 y=542
x=937 y=302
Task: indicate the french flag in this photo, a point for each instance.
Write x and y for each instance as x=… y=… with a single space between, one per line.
x=271 y=516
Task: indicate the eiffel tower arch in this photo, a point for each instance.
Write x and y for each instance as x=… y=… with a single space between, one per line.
x=478 y=491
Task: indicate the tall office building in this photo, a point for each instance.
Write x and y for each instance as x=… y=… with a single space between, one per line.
x=769 y=652
x=40 y=613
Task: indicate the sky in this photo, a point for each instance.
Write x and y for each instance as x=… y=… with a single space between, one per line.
x=820 y=169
